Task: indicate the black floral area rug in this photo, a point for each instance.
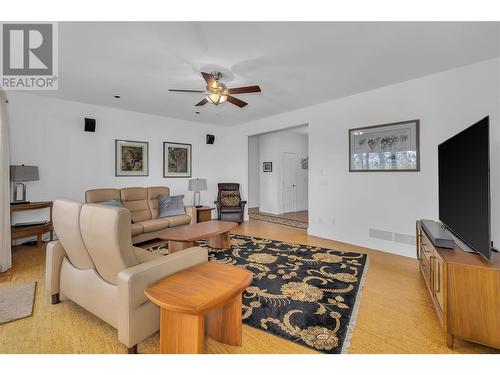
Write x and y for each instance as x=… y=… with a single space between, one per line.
x=306 y=294
x=302 y=293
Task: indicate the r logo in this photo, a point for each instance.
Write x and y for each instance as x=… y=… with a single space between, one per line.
x=27 y=49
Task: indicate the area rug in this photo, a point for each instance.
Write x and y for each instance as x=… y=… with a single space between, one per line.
x=306 y=294
x=278 y=220
x=16 y=302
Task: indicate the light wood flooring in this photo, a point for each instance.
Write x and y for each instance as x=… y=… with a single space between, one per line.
x=396 y=314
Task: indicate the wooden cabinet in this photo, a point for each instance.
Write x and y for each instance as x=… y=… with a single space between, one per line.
x=431 y=265
x=465 y=291
x=437 y=265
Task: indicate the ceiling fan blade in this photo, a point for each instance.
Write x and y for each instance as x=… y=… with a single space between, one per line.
x=236 y=101
x=200 y=91
x=244 y=90
x=211 y=82
x=203 y=102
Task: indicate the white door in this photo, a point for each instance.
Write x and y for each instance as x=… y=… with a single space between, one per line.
x=289 y=187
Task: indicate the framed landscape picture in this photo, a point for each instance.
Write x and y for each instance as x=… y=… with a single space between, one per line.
x=176 y=159
x=390 y=147
x=131 y=158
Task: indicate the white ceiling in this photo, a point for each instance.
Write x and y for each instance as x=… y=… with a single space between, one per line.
x=296 y=64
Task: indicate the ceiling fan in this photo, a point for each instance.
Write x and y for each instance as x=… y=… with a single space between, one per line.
x=218 y=93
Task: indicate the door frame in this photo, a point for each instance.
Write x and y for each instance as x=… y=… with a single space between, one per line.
x=282 y=184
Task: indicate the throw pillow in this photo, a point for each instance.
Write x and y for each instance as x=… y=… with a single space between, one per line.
x=171 y=205
x=112 y=202
x=230 y=198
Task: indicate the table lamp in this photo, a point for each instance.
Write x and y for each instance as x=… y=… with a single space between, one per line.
x=19 y=174
x=196 y=185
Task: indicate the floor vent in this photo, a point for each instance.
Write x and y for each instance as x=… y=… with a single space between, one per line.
x=405 y=238
x=381 y=234
x=390 y=236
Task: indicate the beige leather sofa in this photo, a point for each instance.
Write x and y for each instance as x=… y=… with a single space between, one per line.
x=95 y=265
x=143 y=205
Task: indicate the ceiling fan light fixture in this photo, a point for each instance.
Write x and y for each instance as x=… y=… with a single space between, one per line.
x=216 y=98
x=217 y=92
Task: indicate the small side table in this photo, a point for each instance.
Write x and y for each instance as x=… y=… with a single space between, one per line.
x=204 y=214
x=33 y=230
x=204 y=298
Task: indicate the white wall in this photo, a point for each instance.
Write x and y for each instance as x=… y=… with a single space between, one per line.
x=272 y=147
x=49 y=133
x=344 y=206
x=254 y=167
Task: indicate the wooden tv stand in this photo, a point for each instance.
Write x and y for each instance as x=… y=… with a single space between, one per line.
x=465 y=290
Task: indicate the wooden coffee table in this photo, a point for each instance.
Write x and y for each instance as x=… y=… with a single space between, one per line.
x=183 y=237
x=204 y=298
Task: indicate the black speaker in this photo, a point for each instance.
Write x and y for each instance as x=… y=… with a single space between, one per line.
x=210 y=139
x=90 y=125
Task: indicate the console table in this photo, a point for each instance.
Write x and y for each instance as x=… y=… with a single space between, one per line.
x=465 y=291
x=33 y=230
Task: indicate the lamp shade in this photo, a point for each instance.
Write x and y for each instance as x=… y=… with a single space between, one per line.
x=22 y=173
x=197 y=184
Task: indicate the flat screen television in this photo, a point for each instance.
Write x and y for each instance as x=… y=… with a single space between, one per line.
x=464 y=186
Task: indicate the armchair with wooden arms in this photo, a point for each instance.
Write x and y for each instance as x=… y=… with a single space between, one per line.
x=229 y=205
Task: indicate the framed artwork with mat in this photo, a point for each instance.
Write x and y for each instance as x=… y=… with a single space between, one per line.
x=176 y=160
x=131 y=158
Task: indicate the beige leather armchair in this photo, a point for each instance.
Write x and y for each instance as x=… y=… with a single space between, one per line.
x=95 y=265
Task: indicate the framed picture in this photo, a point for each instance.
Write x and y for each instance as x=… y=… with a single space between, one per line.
x=393 y=147
x=131 y=158
x=267 y=166
x=176 y=160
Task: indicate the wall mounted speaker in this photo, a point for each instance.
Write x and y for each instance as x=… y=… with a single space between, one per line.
x=90 y=125
x=210 y=139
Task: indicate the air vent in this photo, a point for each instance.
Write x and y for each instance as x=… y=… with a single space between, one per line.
x=405 y=238
x=381 y=234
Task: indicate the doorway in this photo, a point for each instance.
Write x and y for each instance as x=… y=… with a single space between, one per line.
x=278 y=176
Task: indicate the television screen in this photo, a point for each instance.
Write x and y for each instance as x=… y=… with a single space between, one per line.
x=464 y=186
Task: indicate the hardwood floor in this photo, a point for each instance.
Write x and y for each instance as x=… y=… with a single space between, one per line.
x=6 y=276
x=395 y=316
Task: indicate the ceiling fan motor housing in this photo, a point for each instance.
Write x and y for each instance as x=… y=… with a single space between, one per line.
x=216 y=75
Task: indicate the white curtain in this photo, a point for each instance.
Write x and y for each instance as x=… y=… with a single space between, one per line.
x=5 y=243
